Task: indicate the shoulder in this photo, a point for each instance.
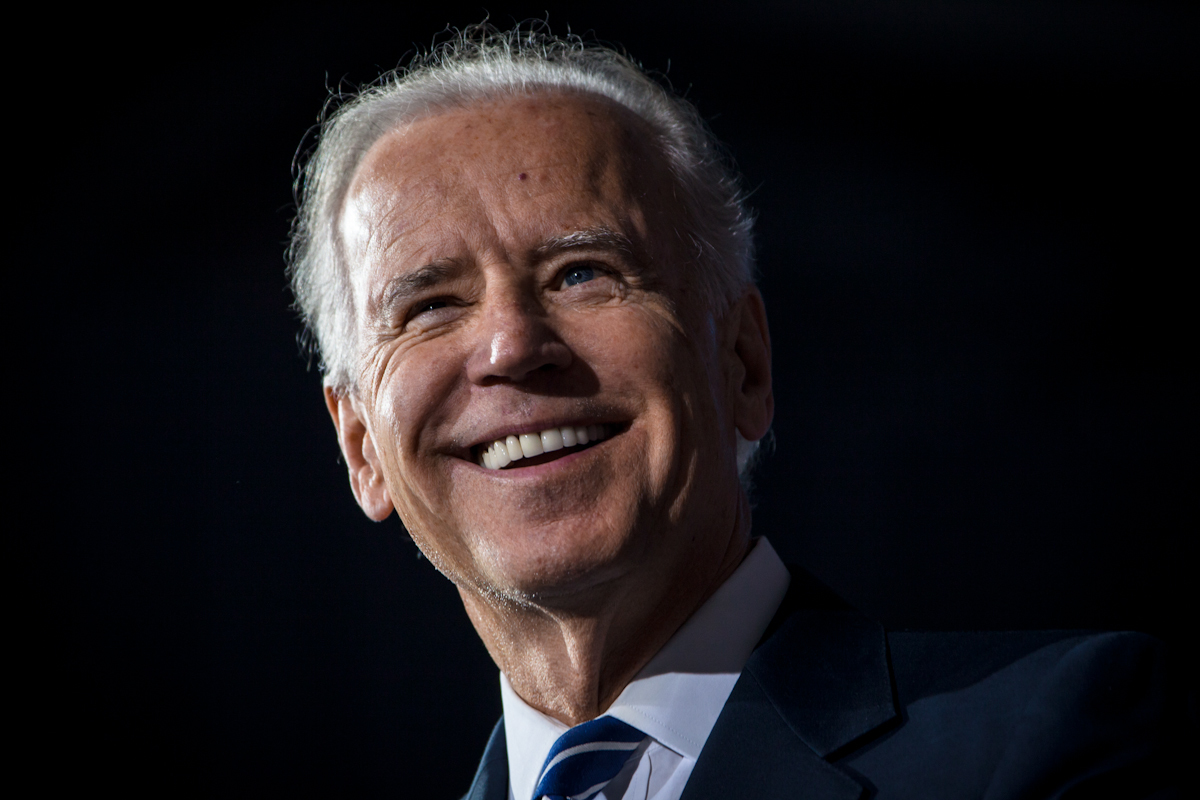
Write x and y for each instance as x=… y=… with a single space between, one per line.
x=1008 y=714
x=931 y=663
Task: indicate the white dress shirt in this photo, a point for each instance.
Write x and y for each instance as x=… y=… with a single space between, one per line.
x=675 y=699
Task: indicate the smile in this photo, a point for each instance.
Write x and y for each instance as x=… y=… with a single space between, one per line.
x=503 y=452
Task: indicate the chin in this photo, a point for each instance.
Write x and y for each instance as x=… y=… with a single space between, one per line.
x=553 y=564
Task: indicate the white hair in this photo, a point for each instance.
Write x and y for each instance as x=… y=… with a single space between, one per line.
x=483 y=63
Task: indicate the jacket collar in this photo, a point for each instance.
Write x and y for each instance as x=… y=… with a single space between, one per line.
x=824 y=667
x=491 y=779
x=817 y=684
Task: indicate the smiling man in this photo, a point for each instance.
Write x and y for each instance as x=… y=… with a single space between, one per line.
x=530 y=274
x=548 y=407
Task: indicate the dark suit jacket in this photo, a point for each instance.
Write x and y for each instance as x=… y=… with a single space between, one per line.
x=832 y=706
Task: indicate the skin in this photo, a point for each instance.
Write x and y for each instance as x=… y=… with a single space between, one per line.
x=475 y=320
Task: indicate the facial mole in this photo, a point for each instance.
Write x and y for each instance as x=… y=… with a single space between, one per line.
x=522 y=176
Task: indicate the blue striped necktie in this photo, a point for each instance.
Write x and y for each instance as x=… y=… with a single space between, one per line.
x=586 y=758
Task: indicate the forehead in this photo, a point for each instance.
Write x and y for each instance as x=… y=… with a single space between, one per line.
x=513 y=166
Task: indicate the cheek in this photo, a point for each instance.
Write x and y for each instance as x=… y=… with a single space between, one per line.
x=645 y=360
x=412 y=402
x=630 y=358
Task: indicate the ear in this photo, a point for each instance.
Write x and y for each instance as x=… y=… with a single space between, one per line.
x=753 y=401
x=366 y=474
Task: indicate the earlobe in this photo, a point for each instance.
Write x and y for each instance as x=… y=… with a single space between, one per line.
x=754 y=400
x=358 y=448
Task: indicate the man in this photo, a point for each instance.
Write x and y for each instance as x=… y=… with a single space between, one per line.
x=530 y=275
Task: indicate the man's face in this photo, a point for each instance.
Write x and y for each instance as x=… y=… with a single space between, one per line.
x=520 y=266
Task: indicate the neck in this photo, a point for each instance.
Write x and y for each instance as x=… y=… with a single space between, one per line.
x=571 y=659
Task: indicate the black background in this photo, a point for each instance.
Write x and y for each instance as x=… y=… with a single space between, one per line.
x=977 y=228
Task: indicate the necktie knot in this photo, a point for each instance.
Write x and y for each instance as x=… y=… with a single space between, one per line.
x=586 y=758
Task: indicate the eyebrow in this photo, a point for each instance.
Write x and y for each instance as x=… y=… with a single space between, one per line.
x=601 y=238
x=405 y=286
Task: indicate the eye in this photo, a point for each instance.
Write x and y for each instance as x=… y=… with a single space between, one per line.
x=429 y=312
x=431 y=306
x=579 y=274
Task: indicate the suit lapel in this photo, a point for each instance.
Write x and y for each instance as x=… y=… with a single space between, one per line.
x=752 y=752
x=817 y=684
x=491 y=779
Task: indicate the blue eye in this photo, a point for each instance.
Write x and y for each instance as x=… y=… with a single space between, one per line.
x=579 y=275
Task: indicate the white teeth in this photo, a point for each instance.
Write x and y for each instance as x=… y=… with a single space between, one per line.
x=500 y=458
x=531 y=444
x=503 y=452
x=552 y=440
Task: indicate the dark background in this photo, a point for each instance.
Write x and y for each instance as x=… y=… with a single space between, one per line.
x=976 y=223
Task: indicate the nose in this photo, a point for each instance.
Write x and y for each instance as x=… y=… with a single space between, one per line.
x=516 y=341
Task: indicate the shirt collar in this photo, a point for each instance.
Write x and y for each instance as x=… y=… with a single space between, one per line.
x=677 y=697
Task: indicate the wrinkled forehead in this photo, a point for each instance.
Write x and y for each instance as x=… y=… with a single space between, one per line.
x=583 y=154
